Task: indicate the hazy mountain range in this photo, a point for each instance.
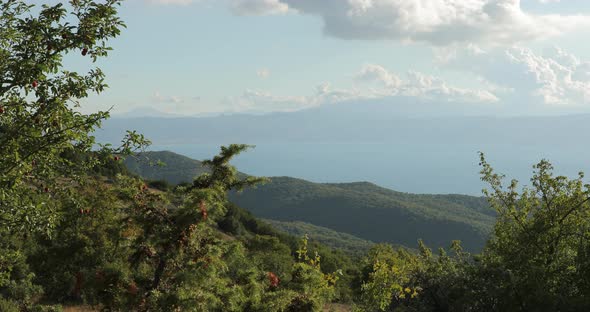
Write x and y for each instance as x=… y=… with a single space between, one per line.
x=348 y=122
x=376 y=142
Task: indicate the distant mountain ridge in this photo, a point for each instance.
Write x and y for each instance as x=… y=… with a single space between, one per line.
x=373 y=213
x=362 y=209
x=371 y=122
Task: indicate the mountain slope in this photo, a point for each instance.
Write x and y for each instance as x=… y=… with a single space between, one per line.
x=362 y=209
x=175 y=168
x=343 y=241
x=373 y=213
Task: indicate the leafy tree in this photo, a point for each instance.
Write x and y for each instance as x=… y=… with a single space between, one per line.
x=387 y=276
x=69 y=235
x=138 y=248
x=314 y=287
x=40 y=119
x=42 y=131
x=535 y=260
x=539 y=249
x=188 y=265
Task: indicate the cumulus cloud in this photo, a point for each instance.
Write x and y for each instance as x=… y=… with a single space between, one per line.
x=260 y=101
x=263 y=73
x=372 y=72
x=420 y=85
x=438 y=22
x=173 y=99
x=258 y=7
x=556 y=78
x=254 y=101
x=375 y=82
x=159 y=98
x=515 y=75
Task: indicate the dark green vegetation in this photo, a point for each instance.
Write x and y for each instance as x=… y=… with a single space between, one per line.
x=77 y=229
x=166 y=166
x=348 y=243
x=373 y=213
x=362 y=209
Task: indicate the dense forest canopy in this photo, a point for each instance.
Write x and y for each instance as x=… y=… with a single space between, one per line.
x=77 y=229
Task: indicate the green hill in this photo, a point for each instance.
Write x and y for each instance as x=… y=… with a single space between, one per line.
x=343 y=241
x=362 y=209
x=174 y=169
x=370 y=212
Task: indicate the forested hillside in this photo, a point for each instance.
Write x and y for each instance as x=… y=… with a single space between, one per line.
x=370 y=212
x=164 y=165
x=361 y=209
x=350 y=244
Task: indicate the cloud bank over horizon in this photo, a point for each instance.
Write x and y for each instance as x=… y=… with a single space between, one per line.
x=436 y=22
x=484 y=53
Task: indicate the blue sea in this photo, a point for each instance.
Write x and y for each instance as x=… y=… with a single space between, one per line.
x=416 y=168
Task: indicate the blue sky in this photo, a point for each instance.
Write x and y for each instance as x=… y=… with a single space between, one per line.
x=199 y=57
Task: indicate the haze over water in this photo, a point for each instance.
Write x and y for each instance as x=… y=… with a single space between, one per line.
x=415 y=168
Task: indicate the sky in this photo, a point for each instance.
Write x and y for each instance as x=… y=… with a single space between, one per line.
x=202 y=57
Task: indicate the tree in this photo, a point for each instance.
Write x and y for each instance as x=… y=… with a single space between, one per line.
x=535 y=260
x=136 y=248
x=538 y=254
x=133 y=248
x=387 y=278
x=46 y=142
x=41 y=126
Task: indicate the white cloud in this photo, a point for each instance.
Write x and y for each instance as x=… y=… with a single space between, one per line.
x=259 y=101
x=557 y=78
x=159 y=98
x=325 y=94
x=371 y=72
x=258 y=7
x=381 y=84
x=173 y=104
x=438 y=22
x=420 y=85
x=253 y=101
x=263 y=73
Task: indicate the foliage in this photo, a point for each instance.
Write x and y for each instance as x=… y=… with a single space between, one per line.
x=315 y=287
x=541 y=240
x=386 y=278
x=536 y=259
x=350 y=244
x=166 y=166
x=371 y=212
x=40 y=120
x=42 y=131
x=132 y=247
